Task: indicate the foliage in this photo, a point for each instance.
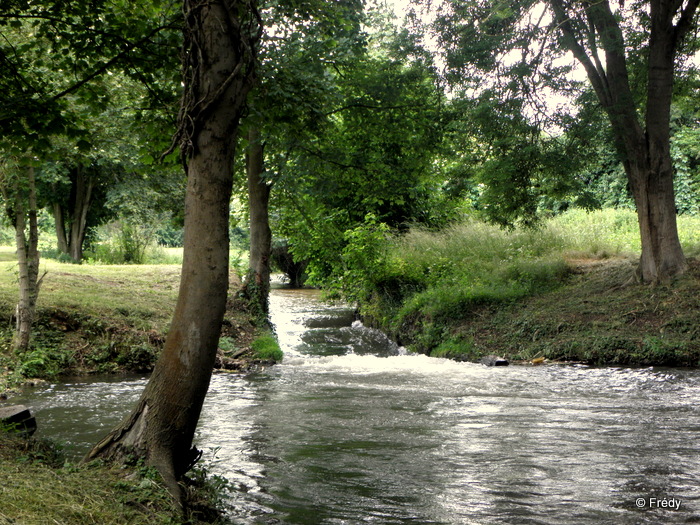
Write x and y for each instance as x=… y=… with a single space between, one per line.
x=363 y=256
x=457 y=349
x=227 y=344
x=370 y=151
x=425 y=281
x=52 y=53
x=503 y=163
x=532 y=139
x=86 y=127
x=42 y=362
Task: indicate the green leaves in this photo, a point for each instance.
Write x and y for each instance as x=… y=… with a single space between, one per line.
x=52 y=49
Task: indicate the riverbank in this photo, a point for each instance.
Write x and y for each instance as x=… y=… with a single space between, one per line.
x=596 y=314
x=38 y=487
x=111 y=319
x=564 y=291
x=105 y=319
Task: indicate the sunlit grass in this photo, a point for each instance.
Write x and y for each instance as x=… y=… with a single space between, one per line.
x=607 y=233
x=145 y=293
x=431 y=277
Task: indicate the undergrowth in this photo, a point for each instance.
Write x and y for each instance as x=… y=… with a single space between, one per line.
x=420 y=284
x=40 y=487
x=266 y=348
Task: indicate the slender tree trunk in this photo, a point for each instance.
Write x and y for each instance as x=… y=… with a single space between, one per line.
x=72 y=238
x=27 y=260
x=83 y=194
x=257 y=288
x=60 y=228
x=219 y=60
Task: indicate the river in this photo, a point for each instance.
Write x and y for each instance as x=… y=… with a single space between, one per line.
x=349 y=429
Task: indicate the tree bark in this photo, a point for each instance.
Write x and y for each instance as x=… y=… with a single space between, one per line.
x=644 y=147
x=27 y=261
x=60 y=225
x=257 y=287
x=71 y=236
x=83 y=187
x=219 y=61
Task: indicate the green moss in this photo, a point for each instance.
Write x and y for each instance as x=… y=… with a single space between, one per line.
x=265 y=347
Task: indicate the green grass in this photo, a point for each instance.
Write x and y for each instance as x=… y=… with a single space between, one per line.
x=599 y=316
x=97 y=318
x=90 y=318
x=38 y=488
x=434 y=284
x=266 y=348
x=437 y=276
x=144 y=293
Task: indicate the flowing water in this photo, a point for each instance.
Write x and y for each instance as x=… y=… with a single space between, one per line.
x=350 y=430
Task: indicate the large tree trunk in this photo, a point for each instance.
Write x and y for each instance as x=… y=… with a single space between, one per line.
x=219 y=69
x=662 y=256
x=257 y=287
x=644 y=147
x=27 y=261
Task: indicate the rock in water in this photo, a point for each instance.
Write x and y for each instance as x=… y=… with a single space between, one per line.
x=493 y=360
x=17 y=418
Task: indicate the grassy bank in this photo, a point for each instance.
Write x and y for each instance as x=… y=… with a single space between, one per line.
x=39 y=488
x=106 y=318
x=565 y=291
x=103 y=318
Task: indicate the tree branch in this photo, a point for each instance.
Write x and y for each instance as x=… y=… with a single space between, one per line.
x=685 y=22
x=107 y=65
x=597 y=78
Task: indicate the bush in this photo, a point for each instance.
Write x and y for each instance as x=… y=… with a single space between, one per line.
x=138 y=358
x=42 y=362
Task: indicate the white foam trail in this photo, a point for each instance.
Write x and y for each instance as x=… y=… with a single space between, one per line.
x=370 y=364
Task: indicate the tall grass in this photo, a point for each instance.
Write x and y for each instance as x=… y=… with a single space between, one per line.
x=470 y=264
x=609 y=233
x=429 y=278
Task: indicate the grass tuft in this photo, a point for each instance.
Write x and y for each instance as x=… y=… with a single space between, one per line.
x=266 y=348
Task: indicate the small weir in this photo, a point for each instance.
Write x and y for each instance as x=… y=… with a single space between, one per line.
x=349 y=429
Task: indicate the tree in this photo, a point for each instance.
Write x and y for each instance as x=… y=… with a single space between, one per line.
x=635 y=89
x=645 y=146
x=370 y=152
x=304 y=40
x=19 y=193
x=257 y=284
x=219 y=71
x=50 y=54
